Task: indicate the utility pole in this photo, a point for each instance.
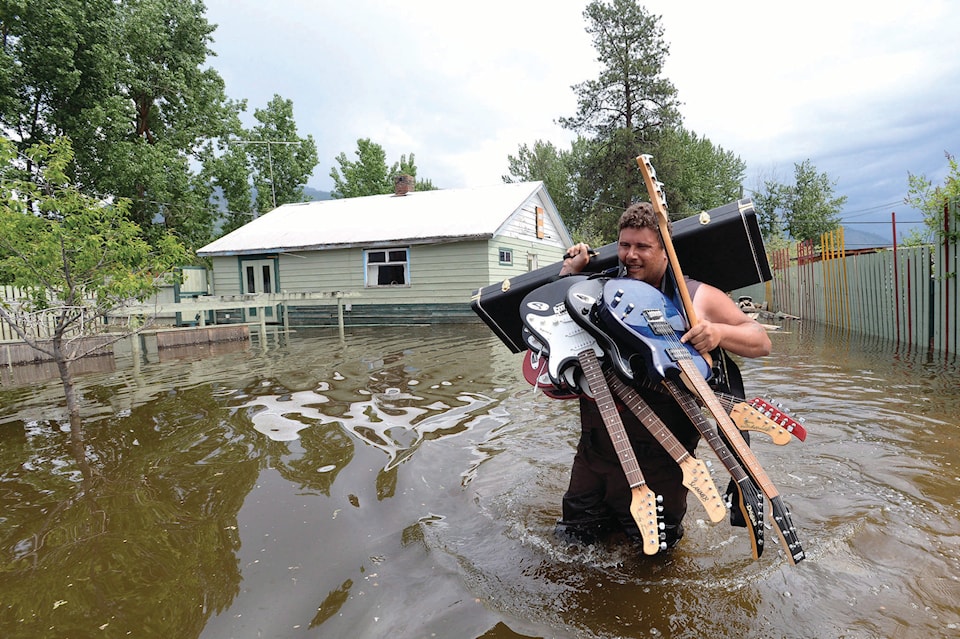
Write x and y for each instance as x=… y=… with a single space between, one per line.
x=273 y=189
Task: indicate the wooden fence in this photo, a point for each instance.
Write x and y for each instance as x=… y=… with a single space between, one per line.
x=908 y=295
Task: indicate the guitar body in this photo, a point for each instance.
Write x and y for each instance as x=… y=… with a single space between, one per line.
x=647 y=322
x=582 y=304
x=534 y=368
x=544 y=314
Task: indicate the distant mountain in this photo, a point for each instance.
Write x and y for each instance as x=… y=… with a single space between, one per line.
x=315 y=195
x=855 y=238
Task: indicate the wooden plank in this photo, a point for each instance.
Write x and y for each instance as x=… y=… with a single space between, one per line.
x=205 y=335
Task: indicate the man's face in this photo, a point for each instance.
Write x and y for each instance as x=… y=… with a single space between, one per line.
x=642 y=253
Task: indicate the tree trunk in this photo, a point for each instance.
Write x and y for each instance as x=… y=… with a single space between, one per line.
x=66 y=378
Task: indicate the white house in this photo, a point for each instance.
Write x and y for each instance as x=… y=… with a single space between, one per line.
x=408 y=257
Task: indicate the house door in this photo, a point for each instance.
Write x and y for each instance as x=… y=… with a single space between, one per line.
x=258 y=277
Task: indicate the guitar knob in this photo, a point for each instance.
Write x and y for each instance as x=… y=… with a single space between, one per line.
x=629 y=310
x=617 y=297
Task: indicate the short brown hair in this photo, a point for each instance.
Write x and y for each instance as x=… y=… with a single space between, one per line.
x=641 y=215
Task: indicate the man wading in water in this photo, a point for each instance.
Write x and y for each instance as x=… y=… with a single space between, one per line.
x=597 y=500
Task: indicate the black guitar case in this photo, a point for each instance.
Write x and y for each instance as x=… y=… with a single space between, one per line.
x=722 y=247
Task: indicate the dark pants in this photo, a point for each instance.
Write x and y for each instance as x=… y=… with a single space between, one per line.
x=598 y=498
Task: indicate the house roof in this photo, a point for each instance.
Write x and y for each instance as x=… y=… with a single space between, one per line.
x=416 y=218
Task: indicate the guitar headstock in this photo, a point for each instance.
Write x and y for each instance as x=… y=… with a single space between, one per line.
x=648 y=514
x=778 y=416
x=787 y=532
x=748 y=417
x=654 y=186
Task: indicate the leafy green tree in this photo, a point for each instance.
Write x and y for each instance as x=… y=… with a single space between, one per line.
x=271 y=158
x=768 y=199
x=932 y=201
x=697 y=175
x=129 y=84
x=806 y=209
x=284 y=163
x=632 y=109
x=545 y=163
x=369 y=174
x=83 y=257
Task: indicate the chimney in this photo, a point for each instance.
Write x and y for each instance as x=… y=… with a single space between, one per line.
x=403 y=184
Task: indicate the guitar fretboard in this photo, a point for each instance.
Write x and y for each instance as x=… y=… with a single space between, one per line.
x=611 y=417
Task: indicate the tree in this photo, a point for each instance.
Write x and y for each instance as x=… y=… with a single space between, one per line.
x=544 y=163
x=624 y=110
x=932 y=200
x=805 y=209
x=83 y=260
x=369 y=174
x=283 y=164
x=632 y=109
x=128 y=83
x=272 y=157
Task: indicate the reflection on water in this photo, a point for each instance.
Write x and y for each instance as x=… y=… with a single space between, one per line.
x=406 y=482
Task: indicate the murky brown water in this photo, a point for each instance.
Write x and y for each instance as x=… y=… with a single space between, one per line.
x=406 y=484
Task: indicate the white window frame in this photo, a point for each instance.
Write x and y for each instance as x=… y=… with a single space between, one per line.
x=385 y=257
x=505 y=256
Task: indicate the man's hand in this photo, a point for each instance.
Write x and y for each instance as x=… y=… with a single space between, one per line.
x=579 y=257
x=704 y=337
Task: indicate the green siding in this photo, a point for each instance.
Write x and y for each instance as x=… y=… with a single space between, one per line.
x=443 y=278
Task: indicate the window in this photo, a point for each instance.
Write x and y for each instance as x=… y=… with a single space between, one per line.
x=506 y=257
x=389 y=267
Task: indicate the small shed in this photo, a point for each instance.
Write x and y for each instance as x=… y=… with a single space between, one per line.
x=407 y=257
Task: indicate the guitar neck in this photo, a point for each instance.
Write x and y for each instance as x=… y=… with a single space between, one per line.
x=689 y=405
x=648 y=417
x=696 y=477
x=611 y=417
x=692 y=378
x=659 y=202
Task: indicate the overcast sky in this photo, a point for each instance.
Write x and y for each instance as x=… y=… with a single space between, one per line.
x=868 y=91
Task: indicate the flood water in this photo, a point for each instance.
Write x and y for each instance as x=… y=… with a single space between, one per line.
x=405 y=484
